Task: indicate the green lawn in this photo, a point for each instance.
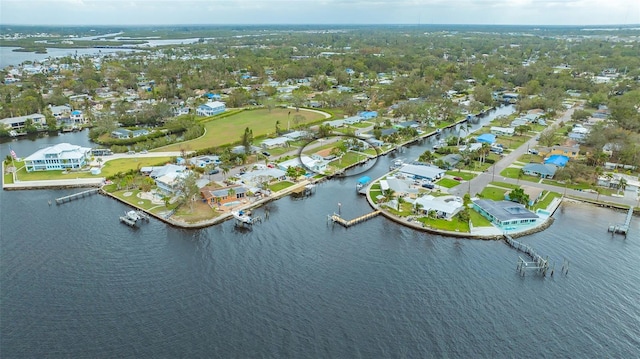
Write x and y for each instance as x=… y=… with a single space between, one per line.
x=363 y=124
x=443 y=224
x=512 y=172
x=112 y=167
x=494 y=193
x=546 y=200
x=448 y=182
x=406 y=209
x=477 y=220
x=229 y=129
x=278 y=186
x=527 y=158
x=467 y=176
x=504 y=185
x=347 y=159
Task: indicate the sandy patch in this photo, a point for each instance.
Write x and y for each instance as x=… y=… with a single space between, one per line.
x=127 y=194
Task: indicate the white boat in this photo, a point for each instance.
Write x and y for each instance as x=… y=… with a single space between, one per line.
x=243 y=216
x=132 y=215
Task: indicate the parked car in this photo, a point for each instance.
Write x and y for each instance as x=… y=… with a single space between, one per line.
x=214 y=171
x=428 y=185
x=457 y=178
x=144 y=152
x=266 y=153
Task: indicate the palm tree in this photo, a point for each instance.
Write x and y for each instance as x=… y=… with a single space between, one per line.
x=225 y=171
x=417 y=207
x=520 y=175
x=400 y=201
x=387 y=195
x=622 y=184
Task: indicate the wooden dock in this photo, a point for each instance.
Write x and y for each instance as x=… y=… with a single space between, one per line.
x=335 y=218
x=624 y=227
x=538 y=263
x=82 y=194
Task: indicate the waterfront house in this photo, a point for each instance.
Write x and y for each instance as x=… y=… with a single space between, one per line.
x=334 y=123
x=256 y=178
x=399 y=187
x=505 y=214
x=121 y=133
x=18 y=123
x=77 y=116
x=534 y=194
x=60 y=112
x=221 y=196
x=211 y=108
x=352 y=120
x=169 y=177
x=445 y=207
x=314 y=164
x=431 y=173
x=63 y=156
x=540 y=170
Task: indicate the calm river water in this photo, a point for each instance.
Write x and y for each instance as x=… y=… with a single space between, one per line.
x=77 y=283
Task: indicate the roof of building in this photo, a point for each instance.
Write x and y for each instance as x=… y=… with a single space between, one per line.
x=213 y=104
x=169 y=168
x=505 y=210
x=441 y=204
x=422 y=171
x=545 y=169
x=276 y=141
x=558 y=160
x=61 y=150
x=487 y=138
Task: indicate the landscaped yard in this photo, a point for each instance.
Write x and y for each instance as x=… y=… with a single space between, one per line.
x=512 y=172
x=546 y=200
x=448 y=182
x=477 y=220
x=278 y=186
x=229 y=129
x=112 y=167
x=347 y=159
x=467 y=176
x=453 y=225
x=493 y=193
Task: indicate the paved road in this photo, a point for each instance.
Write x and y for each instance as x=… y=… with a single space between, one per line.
x=477 y=184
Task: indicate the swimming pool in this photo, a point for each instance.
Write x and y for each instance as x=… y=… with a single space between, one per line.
x=234 y=203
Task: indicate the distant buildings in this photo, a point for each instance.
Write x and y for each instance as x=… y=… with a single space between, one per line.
x=18 y=123
x=211 y=108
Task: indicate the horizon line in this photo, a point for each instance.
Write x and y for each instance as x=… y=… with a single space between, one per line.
x=325 y=24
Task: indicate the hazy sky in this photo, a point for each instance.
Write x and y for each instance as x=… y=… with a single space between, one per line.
x=155 y=12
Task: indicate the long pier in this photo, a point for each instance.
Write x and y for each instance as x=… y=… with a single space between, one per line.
x=335 y=218
x=541 y=265
x=82 y=194
x=622 y=228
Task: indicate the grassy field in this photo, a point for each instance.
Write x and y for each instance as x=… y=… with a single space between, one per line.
x=229 y=129
x=546 y=200
x=447 y=183
x=347 y=159
x=512 y=172
x=453 y=225
x=527 y=158
x=467 y=176
x=477 y=220
x=504 y=185
x=278 y=186
x=126 y=164
x=494 y=193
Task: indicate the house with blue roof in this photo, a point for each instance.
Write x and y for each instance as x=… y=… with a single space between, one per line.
x=367 y=115
x=486 y=138
x=557 y=160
